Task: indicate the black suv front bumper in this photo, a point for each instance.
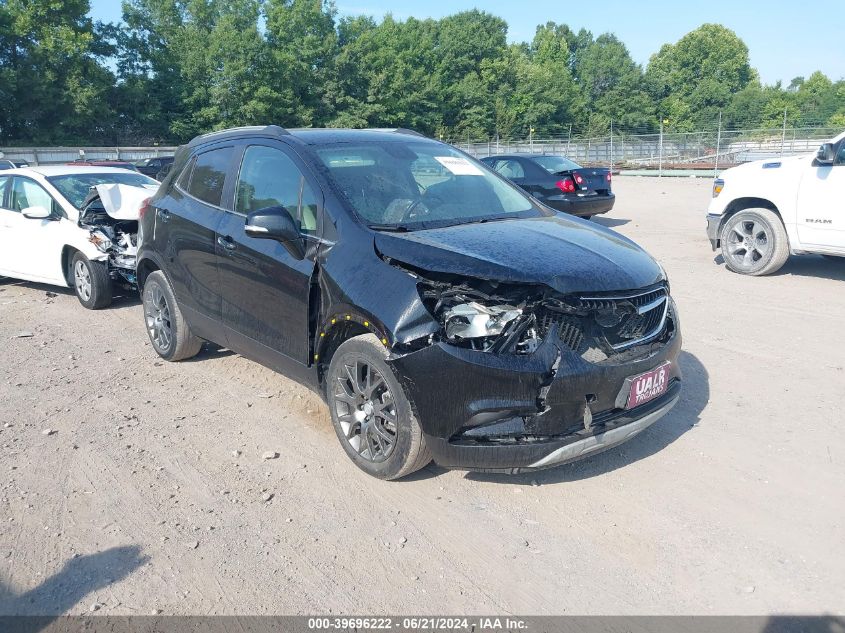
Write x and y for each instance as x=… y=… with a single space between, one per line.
x=459 y=394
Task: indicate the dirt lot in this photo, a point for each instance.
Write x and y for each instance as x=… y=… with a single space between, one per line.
x=150 y=492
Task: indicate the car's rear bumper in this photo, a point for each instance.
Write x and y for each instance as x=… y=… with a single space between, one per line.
x=507 y=413
x=713 y=223
x=581 y=205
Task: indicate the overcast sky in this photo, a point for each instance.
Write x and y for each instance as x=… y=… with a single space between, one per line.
x=786 y=39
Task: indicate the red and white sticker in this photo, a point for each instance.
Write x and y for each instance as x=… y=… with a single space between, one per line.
x=648 y=386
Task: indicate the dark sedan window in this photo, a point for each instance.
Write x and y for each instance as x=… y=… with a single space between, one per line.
x=210 y=174
x=509 y=168
x=555 y=164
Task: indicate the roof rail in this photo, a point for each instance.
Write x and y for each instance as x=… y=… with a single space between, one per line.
x=273 y=130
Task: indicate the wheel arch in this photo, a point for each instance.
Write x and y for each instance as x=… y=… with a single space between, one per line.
x=339 y=327
x=68 y=253
x=741 y=204
x=143 y=270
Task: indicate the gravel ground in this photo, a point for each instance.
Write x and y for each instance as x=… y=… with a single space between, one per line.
x=134 y=486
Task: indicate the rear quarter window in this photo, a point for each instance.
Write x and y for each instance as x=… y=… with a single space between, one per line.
x=209 y=175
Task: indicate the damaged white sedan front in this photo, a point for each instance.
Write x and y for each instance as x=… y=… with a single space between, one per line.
x=110 y=213
x=72 y=226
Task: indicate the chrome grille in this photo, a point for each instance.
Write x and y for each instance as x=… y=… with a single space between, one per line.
x=570 y=332
x=629 y=319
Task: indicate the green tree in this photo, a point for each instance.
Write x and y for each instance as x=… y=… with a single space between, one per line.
x=693 y=79
x=612 y=87
x=55 y=88
x=302 y=39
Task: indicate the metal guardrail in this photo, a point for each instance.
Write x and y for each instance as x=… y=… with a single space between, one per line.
x=61 y=155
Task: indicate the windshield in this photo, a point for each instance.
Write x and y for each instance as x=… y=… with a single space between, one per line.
x=75 y=187
x=555 y=164
x=408 y=185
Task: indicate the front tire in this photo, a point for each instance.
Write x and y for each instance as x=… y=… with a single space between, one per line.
x=370 y=412
x=169 y=333
x=754 y=242
x=91 y=282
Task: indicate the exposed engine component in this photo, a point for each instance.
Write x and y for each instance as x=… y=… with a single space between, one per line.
x=110 y=213
x=497 y=318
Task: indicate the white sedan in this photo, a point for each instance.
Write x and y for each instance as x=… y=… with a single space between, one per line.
x=72 y=226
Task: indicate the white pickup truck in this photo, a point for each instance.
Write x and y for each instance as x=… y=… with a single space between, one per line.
x=764 y=211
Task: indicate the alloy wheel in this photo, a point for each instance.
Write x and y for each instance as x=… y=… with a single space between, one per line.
x=157 y=316
x=365 y=410
x=82 y=280
x=748 y=243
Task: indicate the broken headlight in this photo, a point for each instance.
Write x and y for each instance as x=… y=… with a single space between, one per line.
x=100 y=240
x=490 y=328
x=473 y=320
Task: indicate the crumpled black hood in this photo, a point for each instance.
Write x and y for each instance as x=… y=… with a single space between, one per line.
x=566 y=254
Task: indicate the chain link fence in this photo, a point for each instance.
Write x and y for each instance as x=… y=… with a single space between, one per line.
x=696 y=152
x=710 y=150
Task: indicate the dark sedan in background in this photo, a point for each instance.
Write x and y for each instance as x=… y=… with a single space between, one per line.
x=558 y=182
x=153 y=166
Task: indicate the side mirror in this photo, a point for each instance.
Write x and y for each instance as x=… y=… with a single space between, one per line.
x=825 y=154
x=37 y=213
x=276 y=223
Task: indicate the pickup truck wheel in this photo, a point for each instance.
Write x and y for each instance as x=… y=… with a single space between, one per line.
x=370 y=412
x=754 y=242
x=91 y=282
x=169 y=333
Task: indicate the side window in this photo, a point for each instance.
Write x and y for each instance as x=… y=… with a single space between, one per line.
x=210 y=174
x=840 y=154
x=4 y=184
x=510 y=169
x=269 y=178
x=185 y=177
x=27 y=193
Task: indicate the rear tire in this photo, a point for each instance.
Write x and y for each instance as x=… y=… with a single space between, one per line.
x=370 y=412
x=91 y=282
x=754 y=242
x=169 y=333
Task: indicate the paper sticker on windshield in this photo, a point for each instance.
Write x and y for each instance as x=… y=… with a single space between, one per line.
x=459 y=166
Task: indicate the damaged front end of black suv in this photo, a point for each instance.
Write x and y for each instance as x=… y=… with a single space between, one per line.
x=516 y=365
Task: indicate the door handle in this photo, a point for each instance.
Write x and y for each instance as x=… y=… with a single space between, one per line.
x=164 y=215
x=226 y=242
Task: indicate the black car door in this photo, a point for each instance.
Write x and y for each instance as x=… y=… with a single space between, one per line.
x=189 y=217
x=265 y=288
x=536 y=180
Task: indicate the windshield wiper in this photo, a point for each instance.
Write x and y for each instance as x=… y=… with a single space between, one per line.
x=394 y=228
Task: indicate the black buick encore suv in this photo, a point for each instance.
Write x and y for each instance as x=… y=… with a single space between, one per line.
x=440 y=311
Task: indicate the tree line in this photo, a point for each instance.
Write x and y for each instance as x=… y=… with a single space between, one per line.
x=172 y=69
